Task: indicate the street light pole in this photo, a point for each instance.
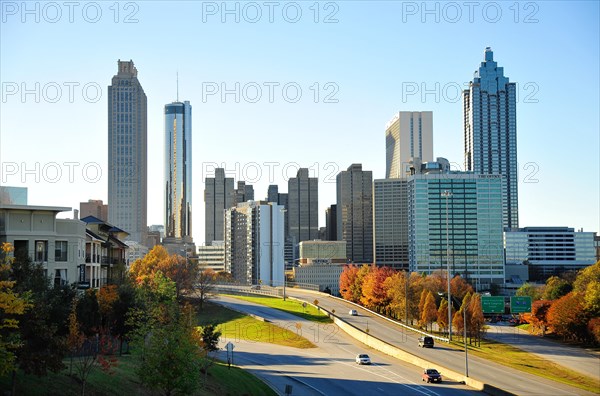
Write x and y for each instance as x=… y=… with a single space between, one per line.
x=465 y=337
x=447 y=194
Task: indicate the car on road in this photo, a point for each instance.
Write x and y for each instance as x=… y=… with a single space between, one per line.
x=431 y=375
x=353 y=312
x=426 y=342
x=363 y=358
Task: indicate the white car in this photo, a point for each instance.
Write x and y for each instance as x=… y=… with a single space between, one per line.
x=353 y=312
x=363 y=358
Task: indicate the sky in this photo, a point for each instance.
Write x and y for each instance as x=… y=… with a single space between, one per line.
x=278 y=85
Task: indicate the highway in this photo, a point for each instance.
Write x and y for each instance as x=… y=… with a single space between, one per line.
x=329 y=369
x=502 y=377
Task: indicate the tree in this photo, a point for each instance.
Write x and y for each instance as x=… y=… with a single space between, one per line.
x=422 y=301
x=12 y=305
x=458 y=322
x=429 y=313
x=170 y=353
x=459 y=287
x=476 y=319
x=396 y=288
x=374 y=295
x=539 y=312
x=556 y=288
x=348 y=280
x=204 y=285
x=209 y=344
x=588 y=284
x=567 y=317
x=107 y=299
x=442 y=315
x=533 y=291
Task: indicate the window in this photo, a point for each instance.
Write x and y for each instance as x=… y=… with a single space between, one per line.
x=41 y=251
x=60 y=277
x=60 y=251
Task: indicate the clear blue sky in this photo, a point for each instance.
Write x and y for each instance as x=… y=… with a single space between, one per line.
x=371 y=54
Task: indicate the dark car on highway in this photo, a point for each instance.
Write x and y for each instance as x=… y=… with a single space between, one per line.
x=431 y=375
x=426 y=342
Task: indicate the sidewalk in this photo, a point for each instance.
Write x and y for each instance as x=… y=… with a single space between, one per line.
x=577 y=359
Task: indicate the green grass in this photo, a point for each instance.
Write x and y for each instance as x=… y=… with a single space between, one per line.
x=293 y=307
x=235 y=326
x=220 y=381
x=516 y=358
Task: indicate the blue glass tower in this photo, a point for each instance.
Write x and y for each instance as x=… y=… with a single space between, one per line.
x=178 y=170
x=490 y=131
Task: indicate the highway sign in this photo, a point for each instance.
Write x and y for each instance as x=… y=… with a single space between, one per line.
x=229 y=346
x=520 y=304
x=491 y=304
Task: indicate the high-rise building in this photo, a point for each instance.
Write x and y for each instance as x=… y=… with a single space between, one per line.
x=127 y=153
x=273 y=193
x=390 y=222
x=409 y=134
x=244 y=192
x=455 y=220
x=254 y=243
x=490 y=131
x=355 y=213
x=331 y=223
x=178 y=170
x=219 y=195
x=94 y=207
x=303 y=207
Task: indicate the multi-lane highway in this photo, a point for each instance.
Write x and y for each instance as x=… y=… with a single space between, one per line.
x=330 y=368
x=483 y=370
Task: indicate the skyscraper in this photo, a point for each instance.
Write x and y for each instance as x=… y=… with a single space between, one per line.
x=354 y=212
x=490 y=131
x=409 y=134
x=219 y=195
x=390 y=222
x=127 y=153
x=303 y=206
x=244 y=192
x=178 y=170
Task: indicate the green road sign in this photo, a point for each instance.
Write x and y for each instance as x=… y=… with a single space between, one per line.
x=520 y=304
x=492 y=304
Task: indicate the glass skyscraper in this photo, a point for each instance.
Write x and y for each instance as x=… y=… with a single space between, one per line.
x=490 y=131
x=127 y=153
x=409 y=134
x=464 y=209
x=178 y=170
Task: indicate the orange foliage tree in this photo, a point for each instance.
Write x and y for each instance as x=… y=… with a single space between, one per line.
x=429 y=313
x=348 y=286
x=459 y=287
x=567 y=317
x=374 y=295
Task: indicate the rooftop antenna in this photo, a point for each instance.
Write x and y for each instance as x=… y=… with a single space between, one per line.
x=178 y=86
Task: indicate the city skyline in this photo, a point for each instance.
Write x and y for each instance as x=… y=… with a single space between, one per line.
x=321 y=135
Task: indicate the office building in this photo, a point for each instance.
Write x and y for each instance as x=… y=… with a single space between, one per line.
x=490 y=131
x=244 y=192
x=355 y=213
x=212 y=256
x=409 y=134
x=390 y=223
x=254 y=243
x=331 y=223
x=219 y=195
x=549 y=250
x=455 y=221
x=321 y=264
x=94 y=207
x=127 y=153
x=178 y=171
x=303 y=207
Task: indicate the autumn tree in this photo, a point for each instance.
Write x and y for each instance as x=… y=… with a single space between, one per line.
x=556 y=288
x=459 y=287
x=107 y=298
x=204 y=285
x=442 y=315
x=529 y=290
x=539 y=312
x=567 y=317
x=476 y=320
x=458 y=322
x=429 y=313
x=588 y=284
x=422 y=300
x=12 y=305
x=374 y=295
x=396 y=289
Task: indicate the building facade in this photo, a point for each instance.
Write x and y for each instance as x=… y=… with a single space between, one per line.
x=331 y=223
x=321 y=264
x=409 y=134
x=219 y=195
x=455 y=221
x=254 y=243
x=127 y=152
x=549 y=250
x=13 y=195
x=178 y=170
x=57 y=244
x=212 y=256
x=94 y=207
x=303 y=207
x=244 y=192
x=490 y=131
x=354 y=212
x=390 y=223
